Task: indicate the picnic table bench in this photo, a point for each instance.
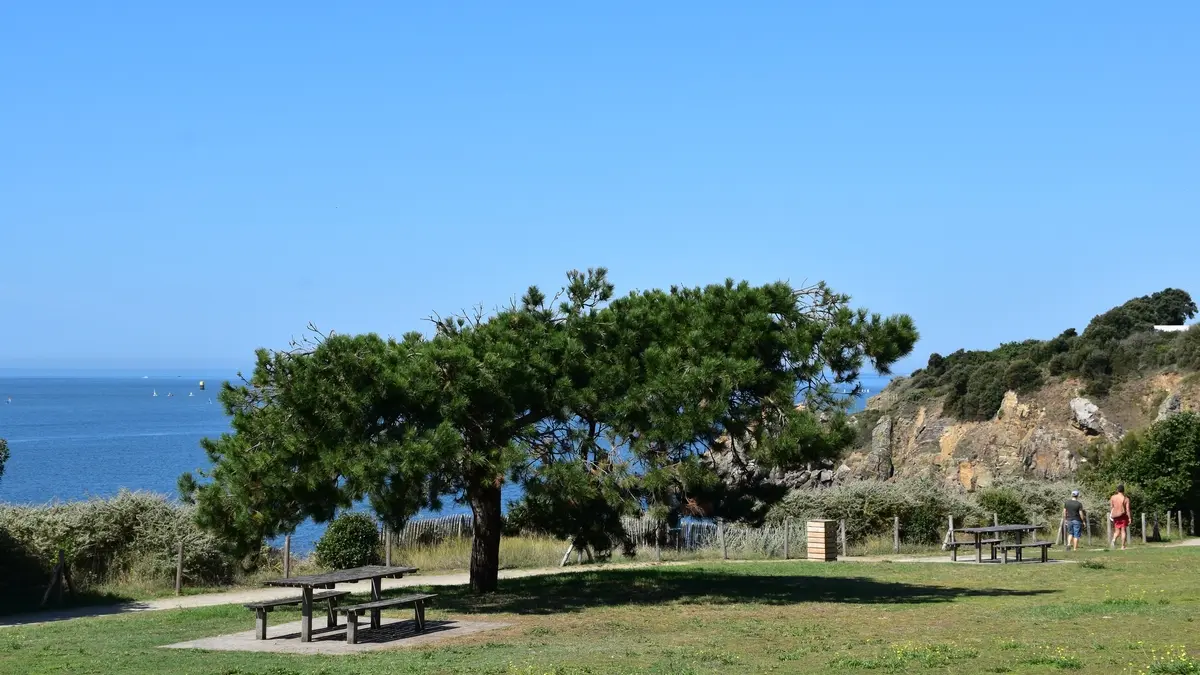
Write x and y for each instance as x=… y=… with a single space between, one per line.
x=307 y=583
x=1018 y=547
x=417 y=600
x=996 y=541
x=953 y=546
x=262 y=607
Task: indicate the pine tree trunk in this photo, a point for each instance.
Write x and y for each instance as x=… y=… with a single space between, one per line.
x=485 y=544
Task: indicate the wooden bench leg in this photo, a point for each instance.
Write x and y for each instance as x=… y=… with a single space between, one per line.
x=1045 y=550
x=260 y=623
x=1004 y=561
x=993 y=553
x=351 y=627
x=419 y=612
x=331 y=613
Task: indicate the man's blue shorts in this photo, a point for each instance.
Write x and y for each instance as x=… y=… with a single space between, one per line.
x=1074 y=528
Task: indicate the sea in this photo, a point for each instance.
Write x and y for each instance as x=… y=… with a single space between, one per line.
x=75 y=437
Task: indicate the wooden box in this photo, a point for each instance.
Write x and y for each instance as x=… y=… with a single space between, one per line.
x=822 y=539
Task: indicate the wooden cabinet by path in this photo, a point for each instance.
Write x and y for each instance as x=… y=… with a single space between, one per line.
x=822 y=540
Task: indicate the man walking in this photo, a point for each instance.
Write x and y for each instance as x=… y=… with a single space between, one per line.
x=1118 y=513
x=1073 y=515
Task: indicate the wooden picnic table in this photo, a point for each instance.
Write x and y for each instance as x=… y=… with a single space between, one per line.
x=375 y=573
x=979 y=532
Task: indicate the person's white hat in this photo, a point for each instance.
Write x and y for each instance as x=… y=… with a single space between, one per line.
x=1074 y=493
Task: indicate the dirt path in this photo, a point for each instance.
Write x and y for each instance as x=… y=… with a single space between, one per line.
x=242 y=596
x=1186 y=542
x=245 y=595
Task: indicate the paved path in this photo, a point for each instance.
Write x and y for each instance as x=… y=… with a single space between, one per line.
x=1186 y=542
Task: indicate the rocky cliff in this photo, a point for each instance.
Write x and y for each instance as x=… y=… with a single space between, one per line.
x=1037 y=435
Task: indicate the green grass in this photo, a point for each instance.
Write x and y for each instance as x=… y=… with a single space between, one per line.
x=712 y=617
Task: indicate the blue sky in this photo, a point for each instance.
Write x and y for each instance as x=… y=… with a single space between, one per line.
x=180 y=185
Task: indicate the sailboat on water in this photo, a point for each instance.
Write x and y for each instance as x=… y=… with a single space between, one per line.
x=155 y=392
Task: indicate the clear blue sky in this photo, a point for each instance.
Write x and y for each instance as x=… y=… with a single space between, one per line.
x=180 y=185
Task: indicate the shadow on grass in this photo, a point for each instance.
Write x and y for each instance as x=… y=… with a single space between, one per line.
x=27 y=608
x=23 y=581
x=576 y=592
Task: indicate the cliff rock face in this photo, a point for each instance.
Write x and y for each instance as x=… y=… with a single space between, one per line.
x=1039 y=435
x=738 y=470
x=1088 y=418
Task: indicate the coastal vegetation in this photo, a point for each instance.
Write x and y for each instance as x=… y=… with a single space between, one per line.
x=1115 y=346
x=1160 y=465
x=132 y=536
x=600 y=406
x=755 y=617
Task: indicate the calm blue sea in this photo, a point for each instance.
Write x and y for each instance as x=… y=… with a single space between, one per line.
x=79 y=437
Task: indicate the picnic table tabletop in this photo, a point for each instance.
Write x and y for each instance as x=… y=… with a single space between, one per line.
x=342 y=576
x=307 y=582
x=996 y=529
x=979 y=533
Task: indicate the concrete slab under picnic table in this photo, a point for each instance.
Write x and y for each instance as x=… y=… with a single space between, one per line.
x=393 y=633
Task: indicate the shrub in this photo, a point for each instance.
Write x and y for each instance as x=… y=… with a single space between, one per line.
x=351 y=540
x=104 y=539
x=1161 y=465
x=1022 y=376
x=1118 y=344
x=1005 y=503
x=869 y=507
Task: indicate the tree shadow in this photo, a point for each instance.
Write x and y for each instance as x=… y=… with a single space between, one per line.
x=23 y=581
x=577 y=592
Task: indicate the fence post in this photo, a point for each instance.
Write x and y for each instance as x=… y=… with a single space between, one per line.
x=895 y=534
x=1143 y=528
x=1108 y=530
x=1192 y=515
x=721 y=536
x=179 y=569
x=287 y=556
x=1182 y=532
x=1168 y=524
x=657 y=545
x=995 y=519
x=1088 y=522
x=787 y=533
x=842 y=536
x=949 y=538
x=387 y=545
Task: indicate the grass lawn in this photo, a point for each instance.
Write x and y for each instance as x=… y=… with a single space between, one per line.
x=786 y=617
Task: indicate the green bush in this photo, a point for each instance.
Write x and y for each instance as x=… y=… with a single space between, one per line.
x=1161 y=466
x=868 y=508
x=1006 y=504
x=1117 y=345
x=1022 y=376
x=104 y=539
x=351 y=540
